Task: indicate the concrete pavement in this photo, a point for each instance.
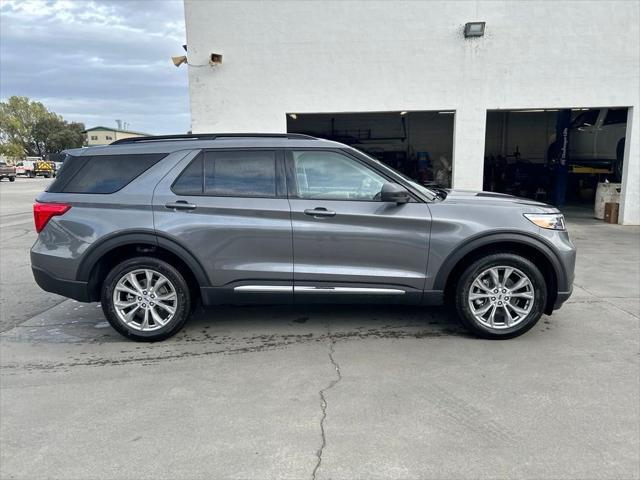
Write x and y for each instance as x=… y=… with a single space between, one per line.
x=328 y=391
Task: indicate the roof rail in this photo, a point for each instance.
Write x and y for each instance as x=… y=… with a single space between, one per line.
x=211 y=136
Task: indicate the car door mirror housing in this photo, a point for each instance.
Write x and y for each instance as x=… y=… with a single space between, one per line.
x=392 y=192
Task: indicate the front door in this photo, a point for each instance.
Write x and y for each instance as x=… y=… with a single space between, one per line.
x=229 y=209
x=346 y=242
x=582 y=139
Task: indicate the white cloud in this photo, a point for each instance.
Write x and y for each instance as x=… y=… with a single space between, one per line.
x=95 y=61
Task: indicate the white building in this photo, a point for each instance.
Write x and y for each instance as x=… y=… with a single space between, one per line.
x=336 y=57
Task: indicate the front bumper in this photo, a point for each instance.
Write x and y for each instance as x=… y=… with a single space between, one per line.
x=562 y=297
x=67 y=288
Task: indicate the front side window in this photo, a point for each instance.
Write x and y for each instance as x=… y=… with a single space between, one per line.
x=586 y=119
x=333 y=176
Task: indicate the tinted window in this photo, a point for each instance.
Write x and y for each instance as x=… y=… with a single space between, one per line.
x=190 y=181
x=333 y=176
x=616 y=115
x=586 y=119
x=101 y=173
x=240 y=173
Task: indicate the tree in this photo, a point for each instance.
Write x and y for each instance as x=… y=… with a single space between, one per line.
x=28 y=128
x=52 y=134
x=70 y=136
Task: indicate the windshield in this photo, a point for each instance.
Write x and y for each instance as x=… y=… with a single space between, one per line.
x=421 y=188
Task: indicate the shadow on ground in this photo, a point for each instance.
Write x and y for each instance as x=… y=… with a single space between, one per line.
x=74 y=322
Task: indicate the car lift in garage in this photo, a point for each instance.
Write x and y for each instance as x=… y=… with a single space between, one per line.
x=563 y=122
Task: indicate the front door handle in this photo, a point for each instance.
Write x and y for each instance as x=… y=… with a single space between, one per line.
x=319 y=212
x=180 y=205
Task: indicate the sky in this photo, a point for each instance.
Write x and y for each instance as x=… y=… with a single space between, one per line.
x=95 y=61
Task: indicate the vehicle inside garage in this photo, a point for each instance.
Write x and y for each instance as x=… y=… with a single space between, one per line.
x=524 y=152
x=417 y=143
x=558 y=156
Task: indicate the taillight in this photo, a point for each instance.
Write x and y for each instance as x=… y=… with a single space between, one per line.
x=43 y=212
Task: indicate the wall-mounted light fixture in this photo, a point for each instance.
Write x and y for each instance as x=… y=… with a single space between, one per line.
x=474 y=29
x=177 y=61
x=403 y=113
x=293 y=116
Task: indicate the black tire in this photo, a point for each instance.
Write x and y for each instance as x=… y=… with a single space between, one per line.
x=478 y=267
x=12 y=179
x=182 y=307
x=618 y=165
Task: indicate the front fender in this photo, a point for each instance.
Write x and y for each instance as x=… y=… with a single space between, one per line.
x=540 y=244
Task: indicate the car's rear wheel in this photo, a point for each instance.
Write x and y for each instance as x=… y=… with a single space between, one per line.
x=501 y=296
x=12 y=179
x=146 y=299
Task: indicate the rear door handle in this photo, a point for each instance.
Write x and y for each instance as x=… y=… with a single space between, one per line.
x=180 y=205
x=319 y=212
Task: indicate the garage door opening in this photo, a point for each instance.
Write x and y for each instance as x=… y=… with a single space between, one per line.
x=525 y=153
x=417 y=143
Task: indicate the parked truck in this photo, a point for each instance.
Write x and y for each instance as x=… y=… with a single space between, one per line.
x=35 y=166
x=7 y=171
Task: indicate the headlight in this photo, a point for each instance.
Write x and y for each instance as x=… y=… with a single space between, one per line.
x=552 y=221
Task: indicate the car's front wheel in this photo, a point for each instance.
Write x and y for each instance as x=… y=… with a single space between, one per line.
x=501 y=295
x=146 y=299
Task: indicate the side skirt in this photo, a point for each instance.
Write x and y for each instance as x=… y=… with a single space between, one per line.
x=303 y=294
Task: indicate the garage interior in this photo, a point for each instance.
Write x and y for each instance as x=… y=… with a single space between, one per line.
x=523 y=158
x=522 y=155
x=417 y=143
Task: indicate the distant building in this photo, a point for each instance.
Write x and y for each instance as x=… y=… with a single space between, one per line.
x=106 y=135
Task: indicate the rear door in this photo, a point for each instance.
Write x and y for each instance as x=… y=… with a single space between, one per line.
x=346 y=242
x=229 y=209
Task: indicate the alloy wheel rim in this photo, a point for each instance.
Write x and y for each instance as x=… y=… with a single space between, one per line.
x=145 y=300
x=501 y=297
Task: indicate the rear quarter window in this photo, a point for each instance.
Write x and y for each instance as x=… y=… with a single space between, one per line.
x=101 y=173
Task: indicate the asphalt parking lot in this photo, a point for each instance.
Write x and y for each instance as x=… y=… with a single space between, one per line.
x=325 y=391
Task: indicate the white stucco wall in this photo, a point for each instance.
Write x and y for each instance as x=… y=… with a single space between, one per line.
x=347 y=56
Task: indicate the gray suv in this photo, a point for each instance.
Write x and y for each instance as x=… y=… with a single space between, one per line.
x=151 y=226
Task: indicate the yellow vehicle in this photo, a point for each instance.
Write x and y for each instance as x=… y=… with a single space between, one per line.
x=44 y=168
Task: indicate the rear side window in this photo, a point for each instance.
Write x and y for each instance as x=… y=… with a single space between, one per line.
x=191 y=180
x=230 y=174
x=240 y=174
x=101 y=173
x=586 y=119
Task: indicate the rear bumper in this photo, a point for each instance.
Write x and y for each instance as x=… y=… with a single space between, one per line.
x=67 y=288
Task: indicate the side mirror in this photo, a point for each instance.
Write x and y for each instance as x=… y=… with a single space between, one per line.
x=392 y=192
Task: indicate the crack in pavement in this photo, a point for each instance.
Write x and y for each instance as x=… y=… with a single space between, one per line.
x=604 y=300
x=323 y=401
